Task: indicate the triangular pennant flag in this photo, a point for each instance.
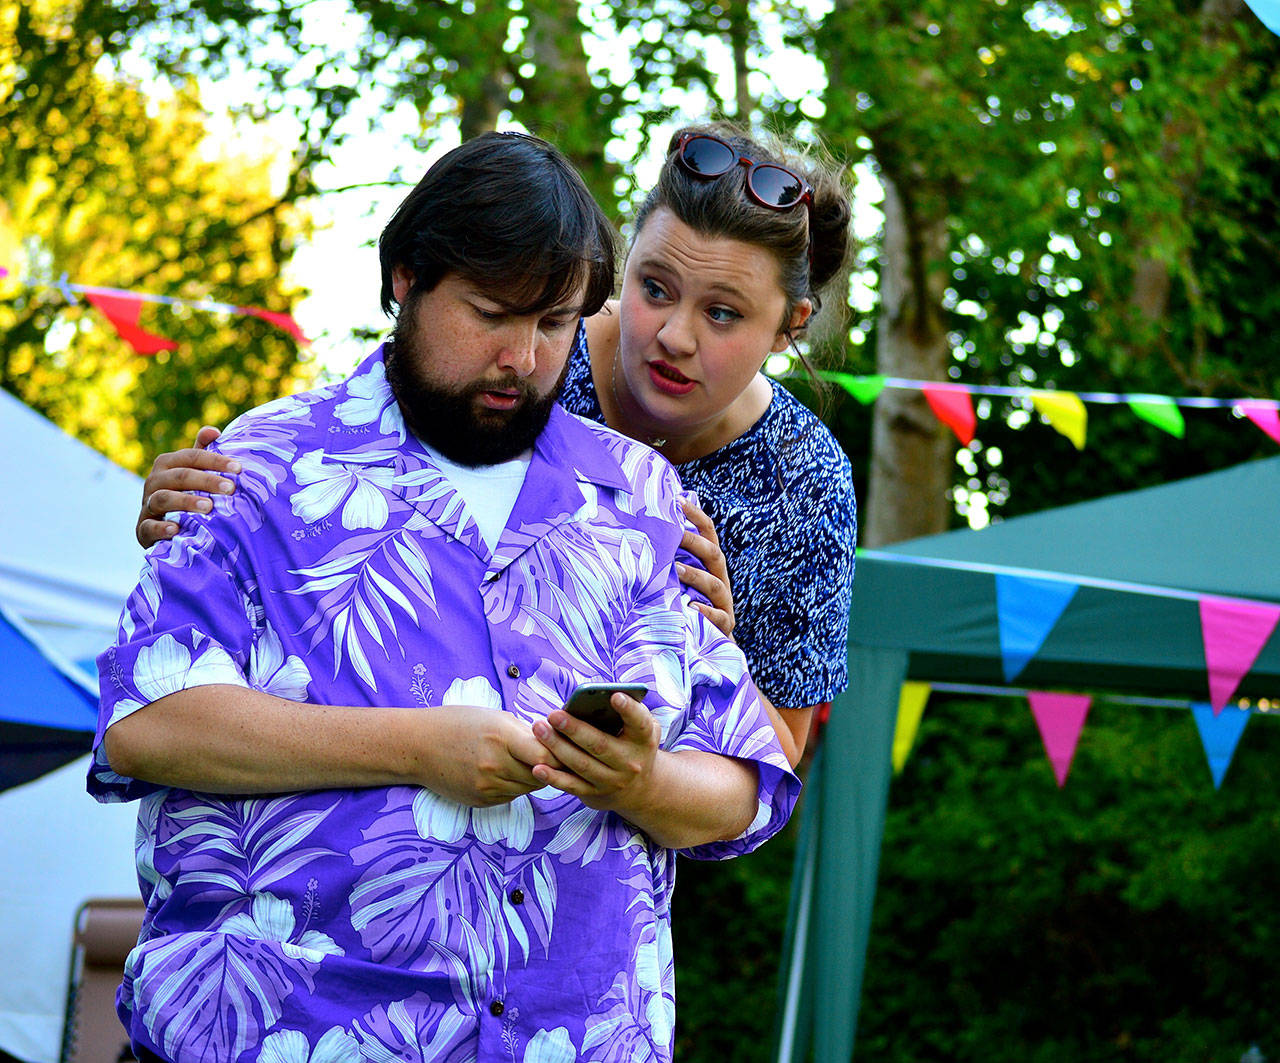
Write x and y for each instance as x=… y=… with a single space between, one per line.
x=1060 y=718
x=1219 y=734
x=1265 y=415
x=1065 y=412
x=123 y=312
x=953 y=406
x=284 y=322
x=1161 y=411
x=1234 y=634
x=866 y=389
x=1026 y=611
x=911 y=703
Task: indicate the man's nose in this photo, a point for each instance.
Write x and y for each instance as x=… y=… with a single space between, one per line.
x=520 y=353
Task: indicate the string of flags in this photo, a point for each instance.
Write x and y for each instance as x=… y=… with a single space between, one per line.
x=1066 y=411
x=1233 y=632
x=122 y=308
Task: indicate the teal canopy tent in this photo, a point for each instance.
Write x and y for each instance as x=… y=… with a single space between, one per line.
x=1116 y=594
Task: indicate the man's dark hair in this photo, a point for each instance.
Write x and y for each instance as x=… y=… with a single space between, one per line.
x=509 y=213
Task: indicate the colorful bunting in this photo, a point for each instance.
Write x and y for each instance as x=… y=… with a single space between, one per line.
x=123 y=308
x=1065 y=411
x=1161 y=411
x=1060 y=718
x=1234 y=633
x=1219 y=734
x=1264 y=415
x=123 y=311
x=953 y=406
x=1027 y=610
x=911 y=703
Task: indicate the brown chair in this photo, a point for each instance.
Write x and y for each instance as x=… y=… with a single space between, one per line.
x=106 y=931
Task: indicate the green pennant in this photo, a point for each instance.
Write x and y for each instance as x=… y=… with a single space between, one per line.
x=866 y=389
x=1161 y=411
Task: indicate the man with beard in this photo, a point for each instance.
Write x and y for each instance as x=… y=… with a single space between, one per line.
x=368 y=829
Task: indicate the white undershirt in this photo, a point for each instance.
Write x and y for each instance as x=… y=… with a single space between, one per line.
x=490 y=491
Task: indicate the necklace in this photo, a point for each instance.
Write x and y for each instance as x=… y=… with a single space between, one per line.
x=653 y=441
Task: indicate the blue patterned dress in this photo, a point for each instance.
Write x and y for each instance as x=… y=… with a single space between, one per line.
x=781 y=496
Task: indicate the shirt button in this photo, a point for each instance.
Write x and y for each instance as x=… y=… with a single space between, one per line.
x=517 y=896
x=496 y=1008
x=513 y=670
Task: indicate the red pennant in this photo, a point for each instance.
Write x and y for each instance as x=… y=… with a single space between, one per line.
x=953 y=406
x=284 y=322
x=123 y=312
x=1060 y=718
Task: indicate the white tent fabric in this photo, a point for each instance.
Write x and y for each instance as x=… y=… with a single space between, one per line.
x=67 y=562
x=68 y=557
x=59 y=849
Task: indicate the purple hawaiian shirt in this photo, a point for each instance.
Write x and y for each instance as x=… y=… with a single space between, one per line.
x=390 y=923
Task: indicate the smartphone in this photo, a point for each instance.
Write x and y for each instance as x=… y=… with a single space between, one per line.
x=590 y=703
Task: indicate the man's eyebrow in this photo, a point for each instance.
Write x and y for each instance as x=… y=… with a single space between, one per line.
x=564 y=309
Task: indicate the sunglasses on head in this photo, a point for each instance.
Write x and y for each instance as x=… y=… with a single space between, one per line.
x=769 y=184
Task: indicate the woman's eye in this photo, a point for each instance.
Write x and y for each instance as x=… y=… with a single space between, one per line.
x=653 y=289
x=488 y=315
x=722 y=314
x=554 y=324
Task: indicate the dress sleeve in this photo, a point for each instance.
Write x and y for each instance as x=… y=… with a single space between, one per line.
x=186 y=624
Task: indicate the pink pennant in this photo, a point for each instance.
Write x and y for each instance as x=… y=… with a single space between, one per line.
x=1234 y=634
x=1060 y=718
x=1265 y=415
x=284 y=322
x=953 y=406
x=123 y=312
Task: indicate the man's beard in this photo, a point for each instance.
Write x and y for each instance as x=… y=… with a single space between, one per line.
x=452 y=420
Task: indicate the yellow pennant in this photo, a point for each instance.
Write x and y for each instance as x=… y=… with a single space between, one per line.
x=911 y=704
x=1065 y=412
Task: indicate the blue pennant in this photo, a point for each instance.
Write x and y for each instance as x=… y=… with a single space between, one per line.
x=1219 y=735
x=1027 y=609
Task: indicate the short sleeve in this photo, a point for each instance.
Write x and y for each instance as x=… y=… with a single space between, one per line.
x=703 y=695
x=186 y=624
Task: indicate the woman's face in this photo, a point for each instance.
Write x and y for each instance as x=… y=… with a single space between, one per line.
x=699 y=316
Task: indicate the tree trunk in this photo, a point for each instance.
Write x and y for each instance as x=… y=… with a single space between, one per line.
x=911 y=450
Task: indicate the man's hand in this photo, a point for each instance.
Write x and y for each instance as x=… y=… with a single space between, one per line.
x=679 y=799
x=714 y=582
x=607 y=772
x=491 y=756
x=172 y=476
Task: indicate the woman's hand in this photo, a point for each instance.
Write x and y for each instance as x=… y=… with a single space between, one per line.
x=714 y=582
x=173 y=475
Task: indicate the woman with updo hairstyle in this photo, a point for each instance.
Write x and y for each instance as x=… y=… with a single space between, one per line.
x=729 y=257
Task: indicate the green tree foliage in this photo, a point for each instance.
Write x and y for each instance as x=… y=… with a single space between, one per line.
x=109 y=186
x=1127 y=916
x=1102 y=174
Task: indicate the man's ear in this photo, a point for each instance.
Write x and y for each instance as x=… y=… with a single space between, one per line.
x=401 y=282
x=799 y=317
